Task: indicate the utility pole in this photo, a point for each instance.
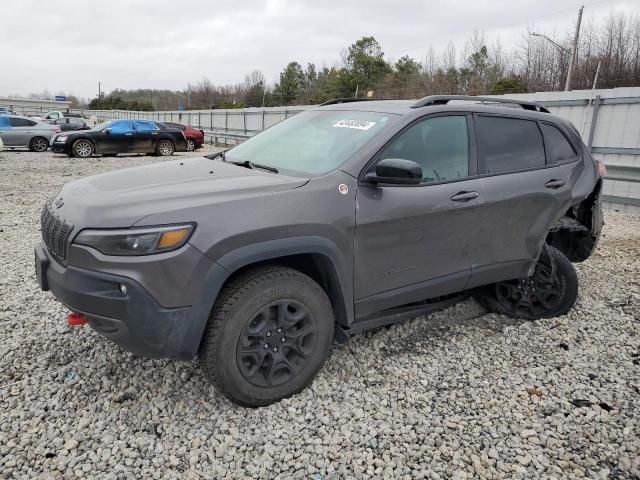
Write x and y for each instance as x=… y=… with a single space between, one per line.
x=99 y=94
x=574 y=51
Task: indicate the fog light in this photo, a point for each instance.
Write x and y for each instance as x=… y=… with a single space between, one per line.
x=123 y=289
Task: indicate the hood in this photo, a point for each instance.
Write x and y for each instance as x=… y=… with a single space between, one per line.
x=124 y=197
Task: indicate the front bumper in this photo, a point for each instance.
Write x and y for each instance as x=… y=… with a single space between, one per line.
x=59 y=147
x=134 y=320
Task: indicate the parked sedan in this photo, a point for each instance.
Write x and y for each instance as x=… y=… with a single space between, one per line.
x=67 y=124
x=122 y=136
x=194 y=136
x=17 y=131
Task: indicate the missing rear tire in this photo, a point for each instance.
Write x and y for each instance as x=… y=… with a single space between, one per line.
x=550 y=292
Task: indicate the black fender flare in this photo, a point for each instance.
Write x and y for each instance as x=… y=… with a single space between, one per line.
x=247 y=255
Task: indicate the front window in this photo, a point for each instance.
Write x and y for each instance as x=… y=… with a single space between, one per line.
x=440 y=145
x=313 y=142
x=101 y=126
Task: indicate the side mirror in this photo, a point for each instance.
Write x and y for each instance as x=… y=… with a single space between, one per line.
x=107 y=131
x=396 y=171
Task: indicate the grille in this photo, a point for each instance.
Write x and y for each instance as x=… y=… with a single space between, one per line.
x=55 y=233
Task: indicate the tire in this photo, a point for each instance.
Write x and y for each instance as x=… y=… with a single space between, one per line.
x=550 y=292
x=165 y=148
x=253 y=328
x=38 y=144
x=191 y=145
x=82 y=148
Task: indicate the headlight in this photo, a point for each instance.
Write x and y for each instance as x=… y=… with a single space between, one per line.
x=61 y=138
x=136 y=241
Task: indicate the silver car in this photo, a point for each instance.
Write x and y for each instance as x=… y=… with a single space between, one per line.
x=17 y=131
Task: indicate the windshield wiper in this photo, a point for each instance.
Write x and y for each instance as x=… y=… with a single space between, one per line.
x=244 y=163
x=213 y=156
x=250 y=164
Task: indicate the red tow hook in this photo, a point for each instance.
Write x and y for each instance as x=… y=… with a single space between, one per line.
x=75 y=319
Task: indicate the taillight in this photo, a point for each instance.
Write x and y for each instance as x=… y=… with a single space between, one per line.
x=602 y=170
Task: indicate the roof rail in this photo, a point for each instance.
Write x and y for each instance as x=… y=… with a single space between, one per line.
x=433 y=100
x=350 y=100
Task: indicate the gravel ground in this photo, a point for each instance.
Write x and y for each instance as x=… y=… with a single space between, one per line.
x=459 y=394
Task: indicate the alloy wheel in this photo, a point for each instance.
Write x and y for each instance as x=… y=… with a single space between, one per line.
x=532 y=296
x=276 y=343
x=83 y=149
x=165 y=148
x=191 y=145
x=39 y=144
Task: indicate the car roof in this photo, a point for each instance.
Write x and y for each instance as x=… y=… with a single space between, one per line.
x=439 y=103
x=19 y=116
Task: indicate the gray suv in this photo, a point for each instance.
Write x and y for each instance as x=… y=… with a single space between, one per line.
x=344 y=218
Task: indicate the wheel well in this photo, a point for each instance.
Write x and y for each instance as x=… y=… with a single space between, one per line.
x=573 y=232
x=318 y=267
x=166 y=138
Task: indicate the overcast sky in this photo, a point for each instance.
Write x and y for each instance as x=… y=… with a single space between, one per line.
x=70 y=45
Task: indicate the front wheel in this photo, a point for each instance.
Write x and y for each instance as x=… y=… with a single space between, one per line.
x=82 y=149
x=550 y=292
x=164 y=148
x=38 y=144
x=268 y=336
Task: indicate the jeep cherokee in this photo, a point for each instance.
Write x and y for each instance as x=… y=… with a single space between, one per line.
x=344 y=218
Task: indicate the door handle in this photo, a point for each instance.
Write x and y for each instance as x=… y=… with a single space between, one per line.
x=128 y=134
x=554 y=183
x=464 y=196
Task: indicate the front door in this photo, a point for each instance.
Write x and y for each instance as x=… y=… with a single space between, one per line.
x=415 y=242
x=117 y=138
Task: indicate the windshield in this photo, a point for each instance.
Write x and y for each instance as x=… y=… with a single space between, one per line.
x=313 y=142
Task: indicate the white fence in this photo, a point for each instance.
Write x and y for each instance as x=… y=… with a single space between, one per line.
x=608 y=120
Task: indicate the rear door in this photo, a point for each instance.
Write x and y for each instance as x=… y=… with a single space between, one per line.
x=75 y=123
x=523 y=191
x=144 y=136
x=63 y=123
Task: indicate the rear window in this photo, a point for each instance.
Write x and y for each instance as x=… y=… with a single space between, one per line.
x=22 y=122
x=144 y=125
x=559 y=148
x=510 y=144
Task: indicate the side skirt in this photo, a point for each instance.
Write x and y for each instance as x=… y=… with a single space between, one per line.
x=396 y=315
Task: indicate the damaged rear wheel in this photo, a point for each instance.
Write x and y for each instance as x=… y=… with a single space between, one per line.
x=550 y=292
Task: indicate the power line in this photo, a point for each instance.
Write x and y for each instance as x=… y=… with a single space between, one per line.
x=502 y=27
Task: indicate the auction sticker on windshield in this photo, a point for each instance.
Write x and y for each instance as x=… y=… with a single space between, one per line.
x=357 y=124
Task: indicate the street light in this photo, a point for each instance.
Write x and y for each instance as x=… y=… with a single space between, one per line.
x=557 y=45
x=572 y=53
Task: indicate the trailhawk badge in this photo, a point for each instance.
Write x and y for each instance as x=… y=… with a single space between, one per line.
x=343 y=188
